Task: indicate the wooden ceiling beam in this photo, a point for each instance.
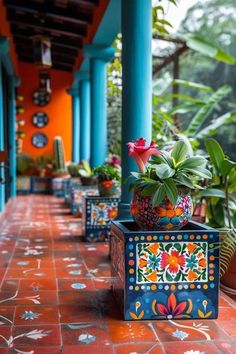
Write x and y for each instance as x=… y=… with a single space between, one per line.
x=65 y=41
x=67 y=14
x=56 y=64
x=56 y=58
x=27 y=44
x=47 y=24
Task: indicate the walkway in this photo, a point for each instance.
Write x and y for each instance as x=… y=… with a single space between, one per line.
x=55 y=295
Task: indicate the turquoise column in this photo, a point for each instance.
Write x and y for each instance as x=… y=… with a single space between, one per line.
x=2 y=187
x=99 y=56
x=137 y=84
x=4 y=60
x=12 y=137
x=85 y=114
x=75 y=124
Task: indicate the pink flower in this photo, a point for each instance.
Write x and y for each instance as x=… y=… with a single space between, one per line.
x=142 y=153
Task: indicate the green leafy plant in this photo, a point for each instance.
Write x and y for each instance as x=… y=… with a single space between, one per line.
x=73 y=169
x=220 y=200
x=107 y=173
x=85 y=170
x=23 y=163
x=170 y=172
x=221 y=206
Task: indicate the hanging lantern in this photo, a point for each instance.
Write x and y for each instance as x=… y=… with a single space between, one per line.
x=45 y=81
x=42 y=51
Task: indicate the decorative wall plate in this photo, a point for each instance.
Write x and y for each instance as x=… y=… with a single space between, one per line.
x=41 y=98
x=39 y=140
x=40 y=119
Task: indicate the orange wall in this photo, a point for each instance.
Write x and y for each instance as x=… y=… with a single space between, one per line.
x=5 y=31
x=58 y=109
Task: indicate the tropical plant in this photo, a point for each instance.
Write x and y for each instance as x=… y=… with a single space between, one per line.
x=221 y=206
x=73 y=169
x=220 y=199
x=167 y=172
x=200 y=110
x=23 y=163
x=107 y=173
x=85 y=170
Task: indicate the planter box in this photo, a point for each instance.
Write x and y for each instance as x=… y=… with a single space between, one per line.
x=23 y=184
x=165 y=274
x=74 y=185
x=58 y=186
x=98 y=212
x=77 y=198
x=66 y=189
x=41 y=185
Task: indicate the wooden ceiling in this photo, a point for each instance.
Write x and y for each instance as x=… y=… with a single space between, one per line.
x=66 y=22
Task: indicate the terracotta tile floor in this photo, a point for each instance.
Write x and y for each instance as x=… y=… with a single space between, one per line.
x=55 y=294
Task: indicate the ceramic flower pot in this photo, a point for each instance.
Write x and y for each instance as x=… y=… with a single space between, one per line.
x=165 y=216
x=109 y=188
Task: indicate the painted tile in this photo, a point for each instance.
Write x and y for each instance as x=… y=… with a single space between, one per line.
x=172 y=331
x=98 y=349
x=150 y=348
x=86 y=333
x=226 y=347
x=28 y=298
x=32 y=315
x=85 y=312
x=6 y=315
x=130 y=332
x=160 y=262
x=38 y=284
x=38 y=335
x=73 y=284
x=36 y=350
x=5 y=335
x=228 y=327
x=191 y=348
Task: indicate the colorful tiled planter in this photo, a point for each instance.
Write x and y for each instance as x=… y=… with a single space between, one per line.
x=66 y=189
x=58 y=186
x=165 y=274
x=41 y=185
x=77 y=198
x=98 y=212
x=23 y=184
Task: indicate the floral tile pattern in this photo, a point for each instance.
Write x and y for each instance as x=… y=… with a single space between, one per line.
x=167 y=262
x=71 y=308
x=98 y=212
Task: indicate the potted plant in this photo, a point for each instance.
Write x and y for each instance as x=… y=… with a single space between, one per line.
x=161 y=190
x=24 y=164
x=73 y=169
x=221 y=209
x=108 y=180
x=86 y=174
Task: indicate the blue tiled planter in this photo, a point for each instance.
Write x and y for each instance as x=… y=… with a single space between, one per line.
x=23 y=184
x=77 y=198
x=66 y=189
x=57 y=186
x=41 y=185
x=98 y=212
x=165 y=274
